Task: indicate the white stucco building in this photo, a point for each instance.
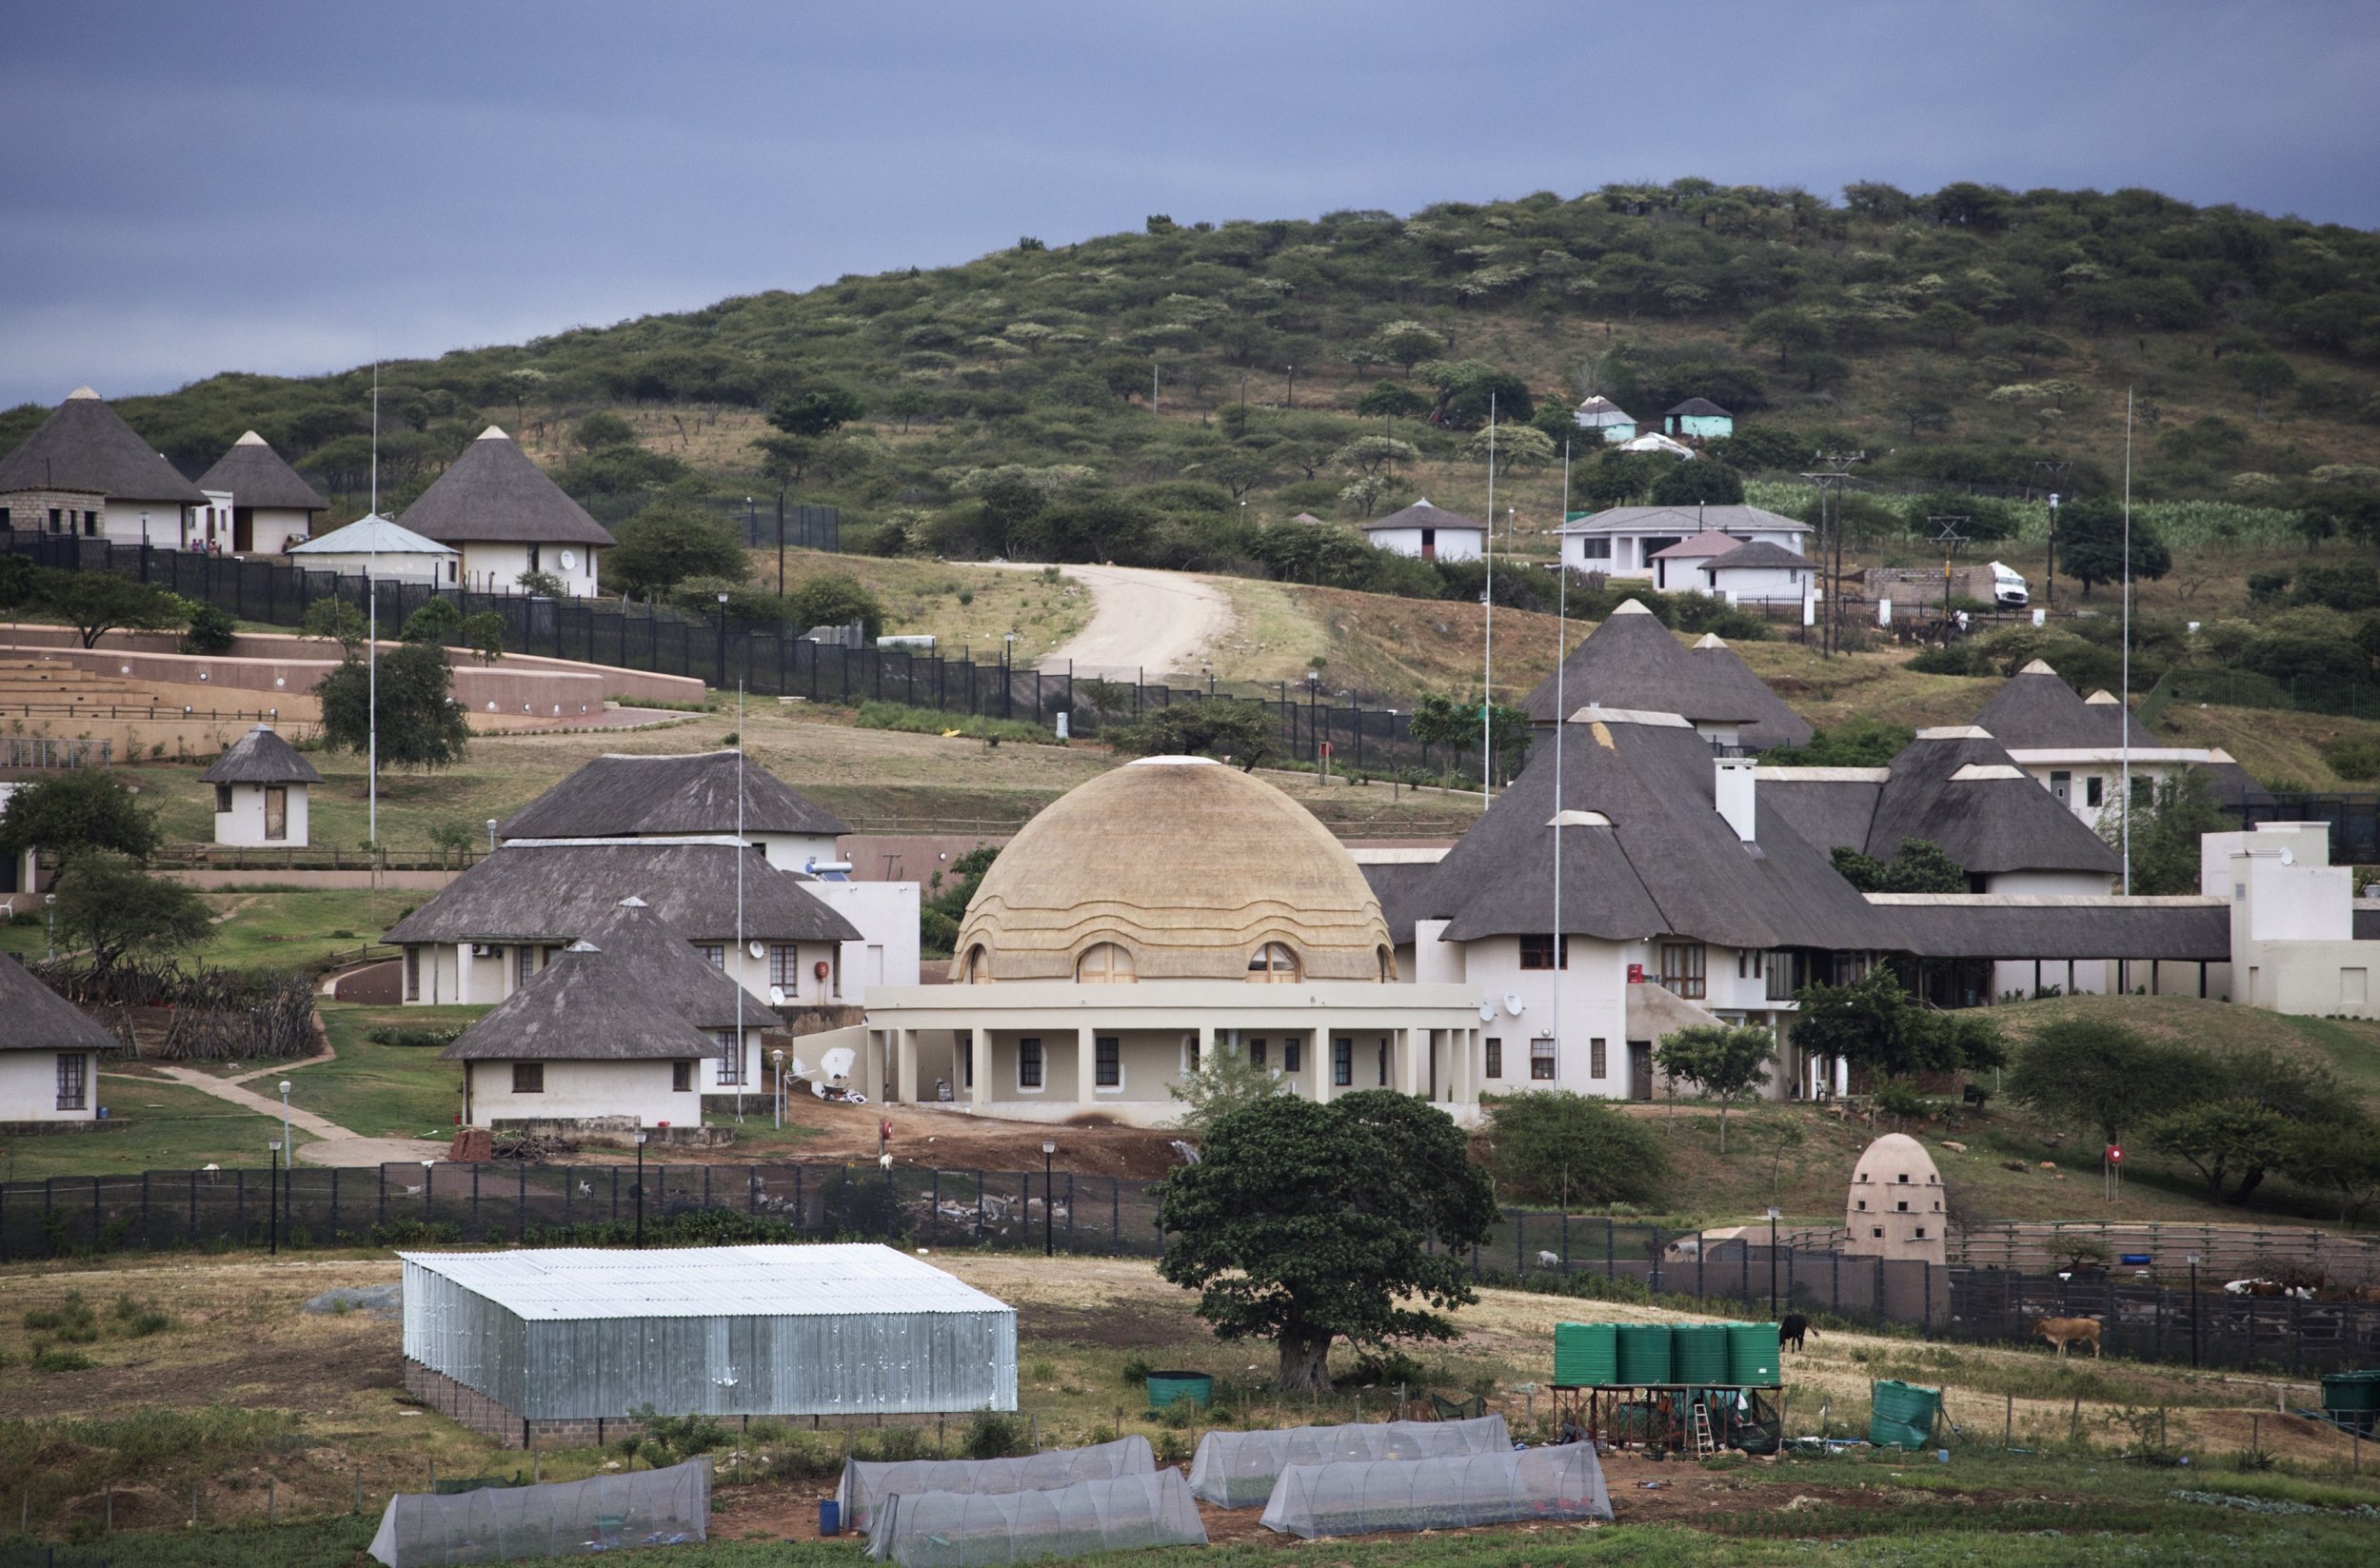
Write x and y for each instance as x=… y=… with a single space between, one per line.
x=1623 y=541
x=504 y=517
x=261 y=791
x=2075 y=746
x=1428 y=533
x=48 y=1054
x=269 y=507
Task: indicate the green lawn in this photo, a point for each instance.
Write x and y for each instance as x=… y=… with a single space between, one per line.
x=382 y=1091
x=173 y=1128
x=268 y=925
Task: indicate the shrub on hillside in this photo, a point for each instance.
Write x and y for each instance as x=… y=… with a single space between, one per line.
x=1544 y=1143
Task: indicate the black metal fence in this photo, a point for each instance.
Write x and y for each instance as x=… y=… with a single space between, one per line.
x=763 y=522
x=767 y=658
x=2354 y=820
x=2153 y=1321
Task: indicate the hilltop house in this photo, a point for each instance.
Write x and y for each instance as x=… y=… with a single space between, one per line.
x=1759 y=573
x=1429 y=533
x=1607 y=419
x=260 y=790
x=1622 y=541
x=48 y=1055
x=1631 y=661
x=624 y=1030
x=506 y=517
x=269 y=505
x=83 y=471
x=376 y=547
x=632 y=798
x=1699 y=419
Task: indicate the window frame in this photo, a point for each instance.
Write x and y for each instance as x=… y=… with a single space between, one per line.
x=1107 y=1062
x=1343 y=1061
x=1492 y=1057
x=1544 y=1065
x=1595 y=547
x=1690 y=980
x=1265 y=969
x=223 y=798
x=2094 y=790
x=1257 y=1050
x=528 y=1078
x=681 y=1079
x=732 y=1059
x=524 y=965
x=412 y=974
x=1116 y=966
x=1598 y=1057
x=1293 y=1054
x=73 y=1080
x=1032 y=1053
x=1542 y=952
x=784 y=966
x=714 y=953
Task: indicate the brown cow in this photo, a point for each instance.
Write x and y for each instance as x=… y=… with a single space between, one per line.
x=2062 y=1332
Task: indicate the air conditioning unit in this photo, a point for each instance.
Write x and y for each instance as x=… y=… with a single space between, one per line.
x=483 y=949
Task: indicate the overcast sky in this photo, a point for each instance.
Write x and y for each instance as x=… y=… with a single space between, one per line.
x=186 y=189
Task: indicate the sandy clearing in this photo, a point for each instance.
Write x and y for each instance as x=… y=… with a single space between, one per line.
x=1148 y=624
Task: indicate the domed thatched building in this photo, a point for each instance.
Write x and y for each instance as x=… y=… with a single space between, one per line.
x=1167 y=910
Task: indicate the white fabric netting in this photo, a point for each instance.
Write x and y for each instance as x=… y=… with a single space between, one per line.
x=1360 y=1497
x=978 y=1529
x=563 y=1518
x=864 y=1485
x=1238 y=1469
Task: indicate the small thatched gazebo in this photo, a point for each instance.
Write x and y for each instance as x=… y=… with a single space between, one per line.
x=260 y=790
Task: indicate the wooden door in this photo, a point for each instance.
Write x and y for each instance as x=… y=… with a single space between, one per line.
x=276 y=811
x=1640 y=1069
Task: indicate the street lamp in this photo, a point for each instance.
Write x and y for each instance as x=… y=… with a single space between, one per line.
x=50 y=902
x=1773 y=1218
x=491 y=835
x=287 y=1142
x=2194 y=1309
x=723 y=642
x=640 y=1189
x=1048 y=1245
x=273 y=1147
x=780 y=1055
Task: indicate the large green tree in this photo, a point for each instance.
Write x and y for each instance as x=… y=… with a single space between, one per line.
x=1725 y=1061
x=1307 y=1223
x=1232 y=729
x=420 y=723
x=97 y=603
x=1875 y=1024
x=1557 y=1146
x=2105 y=1074
x=2091 y=543
x=78 y=811
x=836 y=601
x=111 y=908
x=670 y=541
x=1921 y=866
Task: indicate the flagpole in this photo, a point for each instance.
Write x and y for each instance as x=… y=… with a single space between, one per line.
x=742 y=849
x=1562 y=645
x=1487 y=676
x=2124 y=709
x=371 y=635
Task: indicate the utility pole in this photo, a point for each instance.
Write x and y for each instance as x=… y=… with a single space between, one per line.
x=1949 y=538
x=2056 y=469
x=1833 y=469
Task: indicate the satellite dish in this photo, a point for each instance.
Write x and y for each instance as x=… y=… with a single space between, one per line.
x=1512 y=1003
x=776 y=995
x=757 y=949
x=2289 y=856
x=569 y=561
x=1487 y=1012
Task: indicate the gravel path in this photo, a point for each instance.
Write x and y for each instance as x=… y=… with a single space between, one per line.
x=1147 y=622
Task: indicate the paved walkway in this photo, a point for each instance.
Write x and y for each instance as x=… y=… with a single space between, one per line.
x=333 y=1145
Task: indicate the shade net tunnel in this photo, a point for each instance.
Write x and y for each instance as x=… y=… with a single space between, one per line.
x=971 y=1529
x=1358 y=1496
x=1238 y=1469
x=564 y=1518
x=865 y=1485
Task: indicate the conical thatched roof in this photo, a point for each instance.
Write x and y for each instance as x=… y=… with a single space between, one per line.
x=256 y=476
x=2035 y=710
x=494 y=494
x=261 y=757
x=1958 y=789
x=86 y=446
x=1422 y=515
x=1631 y=661
x=622 y=797
x=34 y=1018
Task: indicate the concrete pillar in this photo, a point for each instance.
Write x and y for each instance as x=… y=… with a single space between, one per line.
x=979 y=1043
x=1408 y=1061
x=1085 y=1065
x=905 y=1065
x=1206 y=1044
x=462 y=972
x=1842 y=1077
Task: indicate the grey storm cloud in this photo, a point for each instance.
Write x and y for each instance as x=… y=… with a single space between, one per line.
x=190 y=188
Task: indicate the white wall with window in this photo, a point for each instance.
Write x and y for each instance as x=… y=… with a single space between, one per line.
x=48 y=1085
x=256 y=814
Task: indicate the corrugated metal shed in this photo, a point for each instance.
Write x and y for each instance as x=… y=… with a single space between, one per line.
x=576 y=1333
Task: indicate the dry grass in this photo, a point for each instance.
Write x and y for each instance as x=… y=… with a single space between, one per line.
x=924 y=598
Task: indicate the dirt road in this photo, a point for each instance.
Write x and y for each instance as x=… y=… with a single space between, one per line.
x=1147 y=622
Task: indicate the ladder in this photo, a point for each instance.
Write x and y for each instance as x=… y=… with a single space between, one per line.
x=1699 y=1430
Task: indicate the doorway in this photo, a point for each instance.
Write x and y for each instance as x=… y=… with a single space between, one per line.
x=1640 y=1069
x=276 y=811
x=243 y=529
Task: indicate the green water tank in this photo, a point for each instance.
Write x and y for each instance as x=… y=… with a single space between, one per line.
x=2352 y=1399
x=1752 y=1355
x=1903 y=1415
x=1585 y=1354
x=1699 y=1353
x=1644 y=1353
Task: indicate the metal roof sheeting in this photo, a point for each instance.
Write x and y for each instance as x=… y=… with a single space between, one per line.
x=575 y=1333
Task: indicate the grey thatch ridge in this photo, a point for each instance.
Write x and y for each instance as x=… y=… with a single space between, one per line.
x=1701 y=405
x=615 y=797
x=1631 y=661
x=261 y=757
x=256 y=476
x=584 y=1007
x=1987 y=824
x=86 y=446
x=494 y=493
x=2184 y=931
x=1402 y=887
x=34 y=1018
x=554 y=892
x=1831 y=813
x=1669 y=864
x=2035 y=710
x=664 y=968
x=1422 y=515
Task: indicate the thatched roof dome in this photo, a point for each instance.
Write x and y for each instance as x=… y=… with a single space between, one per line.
x=1190 y=867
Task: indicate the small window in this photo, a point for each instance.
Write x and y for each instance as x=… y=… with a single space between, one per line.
x=222 y=797
x=730 y=1060
x=966 y=1064
x=1904 y=1179
x=528 y=1078
x=1493 y=1066
x=1541 y=1061
x=414 y=974
x=1921 y=1232
x=2061 y=785
x=1274 y=963
x=1108 y=1062
x=1028 y=1063
x=1256 y=1052
x=1293 y=1054
x=1105 y=964
x=2144 y=790
x=715 y=952
x=1343 y=1062
x=1536 y=952
x=1902 y=1205
x=784 y=968
x=1862 y=1204
x=1383 y=1082
x=73 y=1085
x=1595 y=549
x=1877 y=1231
x=2092 y=789
x=1597 y=1063
x=1681 y=968
x=682 y=1078
x=524 y=965
x=978 y=966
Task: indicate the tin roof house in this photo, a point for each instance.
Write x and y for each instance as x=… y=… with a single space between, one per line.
x=373 y=547
x=1428 y=533
x=1623 y=541
x=1607 y=419
x=1699 y=419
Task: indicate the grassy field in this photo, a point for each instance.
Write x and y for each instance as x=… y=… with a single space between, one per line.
x=966 y=608
x=382 y=1091
x=173 y=1128
x=241 y=1400
x=268 y=925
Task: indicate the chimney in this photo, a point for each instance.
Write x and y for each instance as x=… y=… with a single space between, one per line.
x=1732 y=795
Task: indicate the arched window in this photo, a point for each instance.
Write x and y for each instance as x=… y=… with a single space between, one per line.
x=1388 y=965
x=1105 y=964
x=1274 y=963
x=978 y=966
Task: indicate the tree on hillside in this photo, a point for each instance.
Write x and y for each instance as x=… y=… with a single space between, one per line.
x=1386 y=400
x=336 y=621
x=1306 y=1224
x=1560 y=1147
x=2104 y=1074
x=1407 y=343
x=78 y=811
x=2217 y=1138
x=1699 y=481
x=2091 y=543
x=1232 y=729
x=2263 y=377
x=1921 y=866
x=420 y=723
x=838 y=599
x=111 y=908
x=820 y=410
x=97 y=603
x=670 y=541
x=602 y=428
x=1726 y=1062
x=1516 y=447
x=1370 y=453
x=1873 y=1024
x=1858 y=742
x=1788 y=330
